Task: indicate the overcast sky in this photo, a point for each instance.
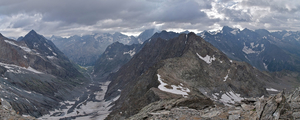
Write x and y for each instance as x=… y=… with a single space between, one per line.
x=70 y=17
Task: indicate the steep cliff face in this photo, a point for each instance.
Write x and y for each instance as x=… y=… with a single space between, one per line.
x=184 y=68
x=35 y=76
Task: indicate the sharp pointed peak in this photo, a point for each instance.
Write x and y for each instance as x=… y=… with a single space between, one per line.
x=32 y=31
x=226 y=28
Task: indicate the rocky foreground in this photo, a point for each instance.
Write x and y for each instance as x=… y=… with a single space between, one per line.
x=276 y=107
x=7 y=113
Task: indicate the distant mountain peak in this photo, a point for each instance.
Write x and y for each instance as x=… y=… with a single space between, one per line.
x=117 y=33
x=32 y=32
x=227 y=29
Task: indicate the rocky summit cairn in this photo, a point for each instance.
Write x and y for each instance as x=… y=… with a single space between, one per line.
x=7 y=113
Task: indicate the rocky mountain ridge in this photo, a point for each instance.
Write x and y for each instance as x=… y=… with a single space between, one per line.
x=180 y=68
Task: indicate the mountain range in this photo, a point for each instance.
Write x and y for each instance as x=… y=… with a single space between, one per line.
x=85 y=50
x=133 y=77
x=260 y=48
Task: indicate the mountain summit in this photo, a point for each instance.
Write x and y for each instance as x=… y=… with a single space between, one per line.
x=183 y=69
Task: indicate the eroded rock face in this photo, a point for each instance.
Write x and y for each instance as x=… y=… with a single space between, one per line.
x=7 y=113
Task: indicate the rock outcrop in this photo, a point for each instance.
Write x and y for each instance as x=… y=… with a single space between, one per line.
x=275 y=107
x=7 y=112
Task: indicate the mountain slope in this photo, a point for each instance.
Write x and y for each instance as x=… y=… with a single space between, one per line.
x=35 y=75
x=145 y=35
x=185 y=68
x=115 y=55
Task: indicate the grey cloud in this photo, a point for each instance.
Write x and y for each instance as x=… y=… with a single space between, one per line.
x=69 y=17
x=282 y=6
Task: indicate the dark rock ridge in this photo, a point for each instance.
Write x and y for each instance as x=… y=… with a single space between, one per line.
x=263 y=50
x=35 y=76
x=188 y=65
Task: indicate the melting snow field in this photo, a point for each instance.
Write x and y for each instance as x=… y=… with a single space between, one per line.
x=248 y=50
x=207 y=58
x=130 y=52
x=17 y=69
x=180 y=90
x=230 y=97
x=22 y=47
x=88 y=110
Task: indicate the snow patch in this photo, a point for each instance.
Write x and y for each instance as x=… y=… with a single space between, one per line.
x=266 y=66
x=180 y=90
x=50 y=57
x=264 y=37
x=230 y=97
x=207 y=58
x=130 y=52
x=25 y=56
x=271 y=89
x=33 y=70
x=248 y=50
x=18 y=69
x=22 y=47
x=235 y=31
x=225 y=78
x=49 y=48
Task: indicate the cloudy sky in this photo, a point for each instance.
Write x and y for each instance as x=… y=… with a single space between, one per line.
x=70 y=17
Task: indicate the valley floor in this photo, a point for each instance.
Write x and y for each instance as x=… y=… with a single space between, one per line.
x=91 y=105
